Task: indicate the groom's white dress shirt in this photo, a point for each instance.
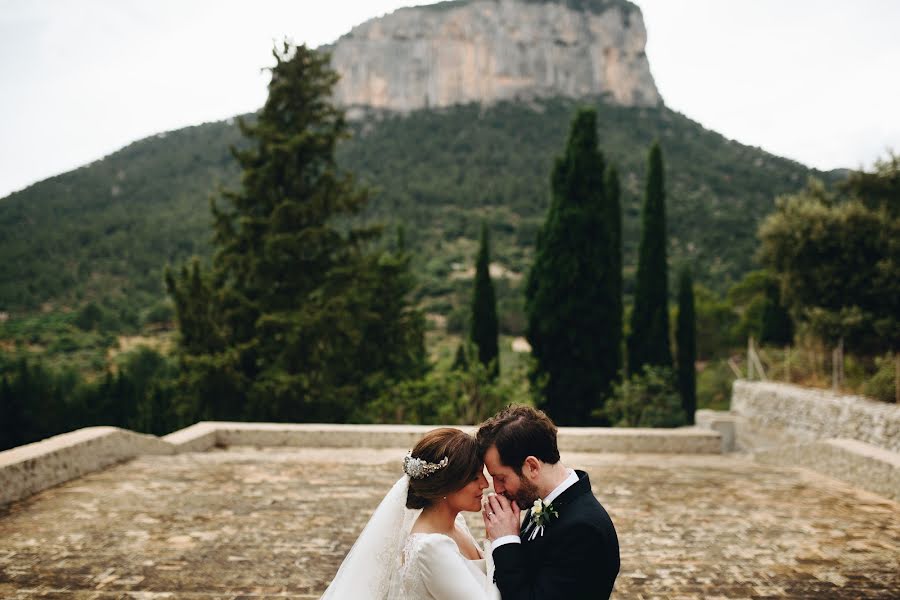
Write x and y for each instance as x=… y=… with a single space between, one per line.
x=568 y=482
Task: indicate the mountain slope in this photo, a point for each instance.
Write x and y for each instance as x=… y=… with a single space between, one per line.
x=106 y=230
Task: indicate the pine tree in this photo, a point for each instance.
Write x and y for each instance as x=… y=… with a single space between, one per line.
x=484 y=330
x=648 y=343
x=569 y=299
x=685 y=338
x=300 y=317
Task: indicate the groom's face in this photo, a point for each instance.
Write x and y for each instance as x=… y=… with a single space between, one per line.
x=508 y=483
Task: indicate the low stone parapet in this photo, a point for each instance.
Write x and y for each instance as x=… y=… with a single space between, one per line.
x=863 y=465
x=321 y=435
x=34 y=467
x=199 y=437
x=773 y=413
x=639 y=441
x=571 y=439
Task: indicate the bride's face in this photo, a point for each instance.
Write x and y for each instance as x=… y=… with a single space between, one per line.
x=469 y=496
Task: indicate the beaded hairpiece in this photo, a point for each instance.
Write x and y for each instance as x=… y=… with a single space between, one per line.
x=417 y=468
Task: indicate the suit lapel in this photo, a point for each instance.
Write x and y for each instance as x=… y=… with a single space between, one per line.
x=526 y=521
x=582 y=486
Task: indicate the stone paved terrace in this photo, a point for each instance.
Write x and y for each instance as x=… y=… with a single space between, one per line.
x=248 y=522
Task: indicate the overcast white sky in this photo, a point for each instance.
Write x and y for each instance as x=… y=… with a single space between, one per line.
x=813 y=80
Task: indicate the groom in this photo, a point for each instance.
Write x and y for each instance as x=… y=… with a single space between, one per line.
x=566 y=547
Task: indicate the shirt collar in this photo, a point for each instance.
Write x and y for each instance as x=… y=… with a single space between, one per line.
x=569 y=481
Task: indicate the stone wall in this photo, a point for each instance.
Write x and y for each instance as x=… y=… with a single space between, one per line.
x=771 y=414
x=850 y=438
x=33 y=467
x=28 y=469
x=863 y=465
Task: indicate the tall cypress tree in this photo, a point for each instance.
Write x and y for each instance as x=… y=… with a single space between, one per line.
x=484 y=328
x=776 y=327
x=686 y=339
x=648 y=343
x=568 y=297
x=300 y=317
x=12 y=416
x=615 y=286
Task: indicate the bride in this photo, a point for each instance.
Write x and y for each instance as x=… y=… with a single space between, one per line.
x=416 y=546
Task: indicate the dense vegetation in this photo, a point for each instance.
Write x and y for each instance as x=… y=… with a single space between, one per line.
x=105 y=232
x=84 y=255
x=836 y=254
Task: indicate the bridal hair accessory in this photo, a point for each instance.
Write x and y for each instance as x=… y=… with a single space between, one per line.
x=417 y=468
x=540 y=516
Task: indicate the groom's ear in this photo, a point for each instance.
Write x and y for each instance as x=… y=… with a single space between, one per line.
x=531 y=467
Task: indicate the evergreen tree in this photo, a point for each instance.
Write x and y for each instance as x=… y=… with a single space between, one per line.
x=614 y=218
x=460 y=360
x=12 y=417
x=301 y=316
x=648 y=343
x=484 y=330
x=838 y=261
x=777 y=327
x=686 y=340
x=569 y=297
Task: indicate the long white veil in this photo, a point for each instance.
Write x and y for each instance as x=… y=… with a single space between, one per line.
x=371 y=568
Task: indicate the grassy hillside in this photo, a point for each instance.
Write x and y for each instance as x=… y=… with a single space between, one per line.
x=103 y=233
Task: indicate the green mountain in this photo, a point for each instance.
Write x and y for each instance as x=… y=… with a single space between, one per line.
x=105 y=231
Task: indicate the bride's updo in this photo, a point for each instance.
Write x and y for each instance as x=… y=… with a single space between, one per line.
x=462 y=466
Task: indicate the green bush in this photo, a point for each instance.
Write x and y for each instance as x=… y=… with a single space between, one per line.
x=458 y=320
x=89 y=317
x=466 y=394
x=64 y=344
x=161 y=312
x=714 y=386
x=881 y=385
x=647 y=399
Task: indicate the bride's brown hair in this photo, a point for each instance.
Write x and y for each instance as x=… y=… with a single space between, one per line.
x=463 y=465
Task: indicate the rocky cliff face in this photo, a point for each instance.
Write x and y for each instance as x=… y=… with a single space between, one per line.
x=490 y=50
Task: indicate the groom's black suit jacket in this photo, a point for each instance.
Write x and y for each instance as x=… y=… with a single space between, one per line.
x=576 y=557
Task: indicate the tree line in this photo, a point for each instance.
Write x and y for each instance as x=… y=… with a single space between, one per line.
x=307 y=313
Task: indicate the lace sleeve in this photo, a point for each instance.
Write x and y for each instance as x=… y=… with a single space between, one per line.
x=445 y=573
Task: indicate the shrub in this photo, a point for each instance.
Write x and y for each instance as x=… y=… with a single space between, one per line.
x=464 y=394
x=881 y=385
x=647 y=399
x=714 y=386
x=161 y=312
x=89 y=317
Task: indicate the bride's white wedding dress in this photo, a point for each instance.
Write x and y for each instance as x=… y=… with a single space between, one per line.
x=387 y=562
x=433 y=568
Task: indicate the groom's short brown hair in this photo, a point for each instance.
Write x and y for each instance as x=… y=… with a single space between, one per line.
x=518 y=432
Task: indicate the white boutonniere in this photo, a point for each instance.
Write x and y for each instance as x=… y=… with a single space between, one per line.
x=541 y=514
